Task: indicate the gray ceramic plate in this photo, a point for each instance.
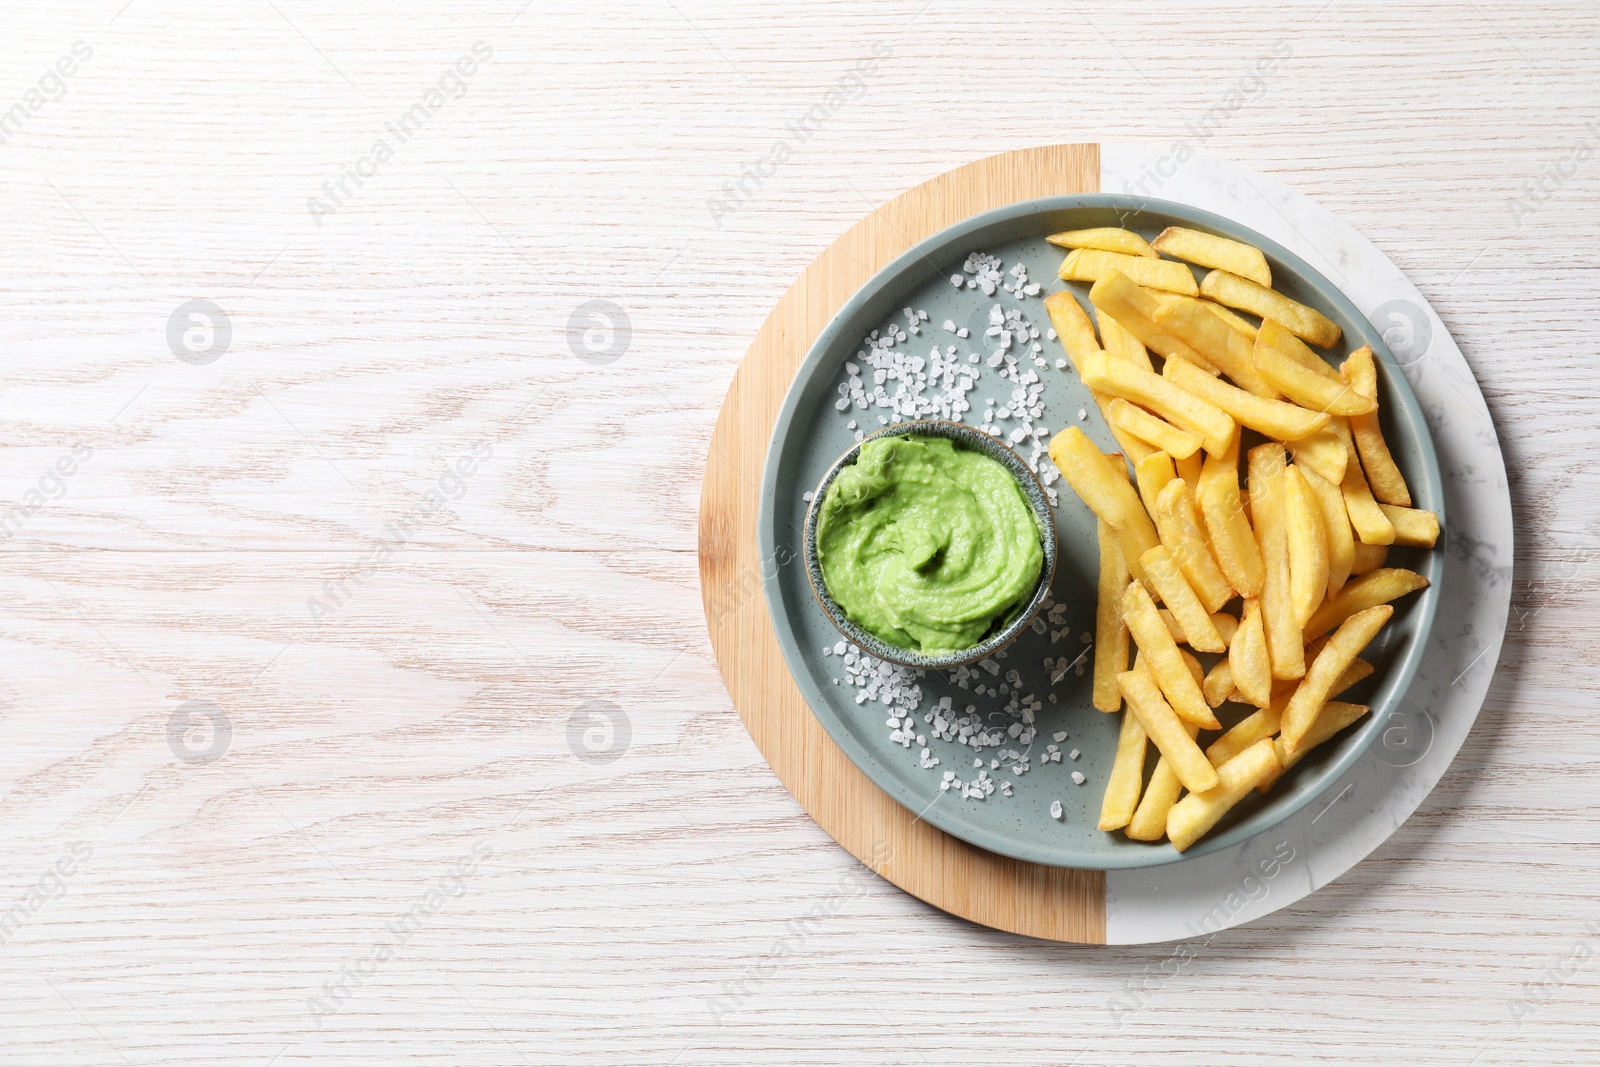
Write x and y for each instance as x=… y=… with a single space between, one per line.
x=810 y=433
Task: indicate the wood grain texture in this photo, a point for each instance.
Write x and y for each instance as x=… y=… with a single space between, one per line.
x=632 y=898
x=1024 y=898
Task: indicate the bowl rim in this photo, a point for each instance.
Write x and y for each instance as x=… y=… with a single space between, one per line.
x=1038 y=502
x=1387 y=693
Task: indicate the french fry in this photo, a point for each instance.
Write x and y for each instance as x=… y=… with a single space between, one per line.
x=1324 y=451
x=1164 y=729
x=1287 y=343
x=1177 y=406
x=1209 y=250
x=1218 y=685
x=1233 y=291
x=1335 y=523
x=1194 y=325
x=1268 y=505
x=1226 y=626
x=1103 y=486
x=1273 y=418
x=1381 y=586
x=1118 y=342
x=1153 y=473
x=1412 y=526
x=1126 y=778
x=1232 y=318
x=1372 y=526
x=1308 y=546
x=1110 y=635
x=1149 y=821
x=1227 y=526
x=1076 y=333
x=1179 y=529
x=1248 y=661
x=1334 y=717
x=1368 y=558
x=1341 y=650
x=1190 y=466
x=1091 y=264
x=1262 y=723
x=1388 y=484
x=1299 y=383
x=1190 y=818
x=1134 y=309
x=1164 y=659
x=1165 y=577
x=1107 y=238
x=1180 y=444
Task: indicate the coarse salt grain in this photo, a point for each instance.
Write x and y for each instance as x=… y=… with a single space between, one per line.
x=1055 y=809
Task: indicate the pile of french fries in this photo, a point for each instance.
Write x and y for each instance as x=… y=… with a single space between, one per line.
x=1282 y=577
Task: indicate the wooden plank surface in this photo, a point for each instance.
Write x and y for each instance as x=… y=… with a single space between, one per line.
x=628 y=904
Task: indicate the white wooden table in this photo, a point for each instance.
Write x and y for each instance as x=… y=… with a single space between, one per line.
x=305 y=765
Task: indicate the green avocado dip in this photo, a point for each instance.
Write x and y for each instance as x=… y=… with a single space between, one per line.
x=928 y=546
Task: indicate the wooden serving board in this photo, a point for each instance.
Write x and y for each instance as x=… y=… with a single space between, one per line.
x=1024 y=898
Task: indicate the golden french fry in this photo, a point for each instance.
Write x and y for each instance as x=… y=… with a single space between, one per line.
x=1106 y=238
x=1126 y=777
x=1164 y=659
x=1372 y=526
x=1412 y=526
x=1218 y=685
x=1194 y=815
x=1156 y=432
x=1324 y=451
x=1192 y=617
x=1103 y=485
x=1117 y=377
x=1299 y=383
x=1368 y=591
x=1164 y=729
x=1232 y=318
x=1149 y=821
x=1193 y=664
x=1341 y=650
x=1273 y=418
x=1368 y=558
x=1120 y=343
x=1268 y=505
x=1388 y=484
x=1248 y=660
x=1287 y=343
x=1209 y=250
x=1308 y=546
x=1076 y=333
x=1334 y=717
x=1152 y=474
x=1225 y=624
x=1227 y=526
x=1267 y=720
x=1335 y=524
x=1244 y=294
x=1263 y=723
x=1180 y=531
x=1190 y=466
x=1110 y=635
x=1192 y=323
x=1134 y=309
x=1072 y=326
x=1091 y=264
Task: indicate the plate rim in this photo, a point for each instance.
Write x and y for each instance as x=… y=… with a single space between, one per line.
x=1391 y=690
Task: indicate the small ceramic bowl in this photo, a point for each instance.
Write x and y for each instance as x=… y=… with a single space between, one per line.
x=966 y=437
